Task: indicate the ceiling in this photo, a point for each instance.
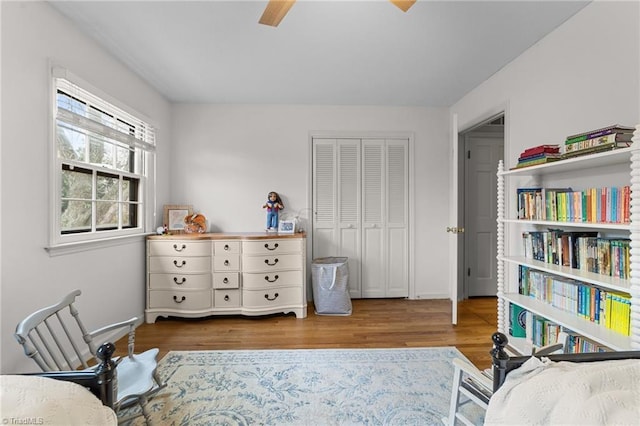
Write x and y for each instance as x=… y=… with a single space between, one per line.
x=358 y=52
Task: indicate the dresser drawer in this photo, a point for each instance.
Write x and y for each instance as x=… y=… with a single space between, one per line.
x=269 y=247
x=226 y=262
x=271 y=263
x=226 y=280
x=179 y=281
x=272 y=298
x=226 y=298
x=230 y=247
x=183 y=300
x=177 y=264
x=267 y=280
x=179 y=248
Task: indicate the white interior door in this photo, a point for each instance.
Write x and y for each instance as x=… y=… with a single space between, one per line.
x=483 y=153
x=349 y=229
x=453 y=220
x=324 y=198
x=373 y=208
x=397 y=215
x=360 y=201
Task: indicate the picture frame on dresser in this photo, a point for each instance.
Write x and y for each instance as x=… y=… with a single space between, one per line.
x=174 y=215
x=287 y=227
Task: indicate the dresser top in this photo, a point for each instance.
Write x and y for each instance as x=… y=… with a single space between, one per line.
x=227 y=236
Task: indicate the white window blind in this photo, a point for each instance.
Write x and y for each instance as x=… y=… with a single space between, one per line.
x=100 y=155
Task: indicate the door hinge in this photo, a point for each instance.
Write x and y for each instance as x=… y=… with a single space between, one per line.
x=468 y=272
x=469 y=155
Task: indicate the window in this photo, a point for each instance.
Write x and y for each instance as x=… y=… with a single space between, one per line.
x=101 y=165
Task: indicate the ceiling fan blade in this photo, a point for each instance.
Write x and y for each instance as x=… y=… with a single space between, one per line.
x=275 y=11
x=403 y=5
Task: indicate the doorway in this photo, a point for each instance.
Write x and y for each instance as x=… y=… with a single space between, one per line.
x=480 y=149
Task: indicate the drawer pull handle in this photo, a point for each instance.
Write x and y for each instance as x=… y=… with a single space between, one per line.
x=275 y=296
x=275 y=278
x=175 y=262
x=271 y=264
x=175 y=280
x=226 y=247
x=175 y=247
x=275 y=246
x=225 y=280
x=226 y=263
x=226 y=297
x=182 y=299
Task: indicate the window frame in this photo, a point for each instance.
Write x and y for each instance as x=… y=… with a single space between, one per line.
x=144 y=175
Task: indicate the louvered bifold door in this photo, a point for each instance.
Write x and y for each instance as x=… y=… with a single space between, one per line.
x=360 y=210
x=349 y=232
x=373 y=219
x=325 y=241
x=397 y=238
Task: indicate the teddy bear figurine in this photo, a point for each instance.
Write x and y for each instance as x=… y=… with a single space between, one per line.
x=195 y=223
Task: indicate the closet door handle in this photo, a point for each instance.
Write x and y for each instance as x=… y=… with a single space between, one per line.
x=182 y=299
x=175 y=247
x=271 y=264
x=275 y=246
x=175 y=280
x=175 y=262
x=275 y=296
x=275 y=278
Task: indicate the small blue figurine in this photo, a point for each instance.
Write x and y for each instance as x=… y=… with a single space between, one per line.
x=273 y=205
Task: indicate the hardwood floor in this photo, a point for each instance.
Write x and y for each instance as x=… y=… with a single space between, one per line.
x=375 y=323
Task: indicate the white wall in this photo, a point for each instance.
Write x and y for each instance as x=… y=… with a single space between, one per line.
x=584 y=75
x=111 y=279
x=227 y=158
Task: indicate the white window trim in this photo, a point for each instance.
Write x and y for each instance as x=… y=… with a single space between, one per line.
x=68 y=244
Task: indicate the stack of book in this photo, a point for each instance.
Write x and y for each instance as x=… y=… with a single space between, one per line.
x=607 y=138
x=539 y=155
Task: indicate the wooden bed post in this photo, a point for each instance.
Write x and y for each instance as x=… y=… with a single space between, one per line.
x=107 y=374
x=500 y=359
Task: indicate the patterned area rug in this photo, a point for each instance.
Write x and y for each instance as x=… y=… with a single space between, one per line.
x=305 y=387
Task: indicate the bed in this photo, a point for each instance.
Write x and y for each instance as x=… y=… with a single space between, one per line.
x=60 y=397
x=586 y=389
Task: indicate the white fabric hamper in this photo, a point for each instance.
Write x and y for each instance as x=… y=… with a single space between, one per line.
x=330 y=281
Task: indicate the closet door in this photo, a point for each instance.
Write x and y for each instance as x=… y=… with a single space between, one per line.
x=373 y=220
x=360 y=202
x=336 y=204
x=385 y=202
x=349 y=221
x=397 y=215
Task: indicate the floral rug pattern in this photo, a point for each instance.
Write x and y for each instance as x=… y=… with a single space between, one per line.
x=305 y=387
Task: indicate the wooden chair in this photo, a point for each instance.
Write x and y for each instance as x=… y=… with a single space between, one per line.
x=52 y=337
x=470 y=385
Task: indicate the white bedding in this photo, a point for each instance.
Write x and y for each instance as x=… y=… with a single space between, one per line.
x=44 y=401
x=555 y=393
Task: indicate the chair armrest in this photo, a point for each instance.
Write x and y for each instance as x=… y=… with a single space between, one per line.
x=131 y=323
x=474 y=373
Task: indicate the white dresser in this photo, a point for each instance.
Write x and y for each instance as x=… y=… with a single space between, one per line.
x=197 y=275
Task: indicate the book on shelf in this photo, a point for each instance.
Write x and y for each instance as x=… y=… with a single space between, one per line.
x=613 y=140
x=594 y=205
x=582 y=250
x=612 y=129
x=536 y=161
x=610 y=309
x=517 y=322
x=536 y=150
